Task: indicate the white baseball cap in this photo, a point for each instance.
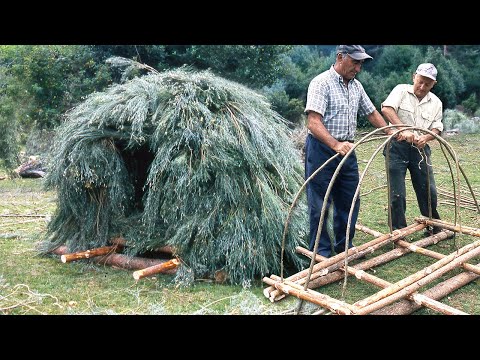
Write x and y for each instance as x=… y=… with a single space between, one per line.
x=427 y=70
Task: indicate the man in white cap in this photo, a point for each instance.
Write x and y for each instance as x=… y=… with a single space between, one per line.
x=334 y=101
x=413 y=105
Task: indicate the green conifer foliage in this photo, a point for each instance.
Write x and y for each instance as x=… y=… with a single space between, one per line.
x=180 y=158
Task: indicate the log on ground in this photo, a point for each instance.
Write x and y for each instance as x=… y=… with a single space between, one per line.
x=121 y=261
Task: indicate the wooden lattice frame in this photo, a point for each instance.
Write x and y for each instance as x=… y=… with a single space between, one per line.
x=323 y=271
x=332 y=269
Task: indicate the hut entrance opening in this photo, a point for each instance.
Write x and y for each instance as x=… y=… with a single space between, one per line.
x=137 y=161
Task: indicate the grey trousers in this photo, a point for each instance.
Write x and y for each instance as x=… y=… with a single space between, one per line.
x=405 y=156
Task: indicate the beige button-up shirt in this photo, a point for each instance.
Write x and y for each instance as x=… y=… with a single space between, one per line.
x=426 y=113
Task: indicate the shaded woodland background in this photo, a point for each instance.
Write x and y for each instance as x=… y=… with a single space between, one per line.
x=40 y=83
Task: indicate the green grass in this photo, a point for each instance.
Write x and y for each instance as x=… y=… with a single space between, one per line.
x=31 y=284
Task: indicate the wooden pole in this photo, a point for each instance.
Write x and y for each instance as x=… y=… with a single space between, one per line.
x=381 y=259
x=367 y=230
x=416 y=276
x=439 y=291
x=156 y=269
x=335 y=262
x=446 y=225
x=90 y=253
x=434 y=254
x=312 y=296
x=367 y=264
x=276 y=296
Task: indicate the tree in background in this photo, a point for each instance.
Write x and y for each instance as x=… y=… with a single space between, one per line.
x=45 y=81
x=9 y=141
x=53 y=77
x=252 y=65
x=289 y=92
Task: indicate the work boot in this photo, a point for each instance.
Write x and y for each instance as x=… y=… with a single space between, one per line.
x=432 y=230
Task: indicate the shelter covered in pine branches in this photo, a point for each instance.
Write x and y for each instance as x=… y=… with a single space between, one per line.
x=185 y=159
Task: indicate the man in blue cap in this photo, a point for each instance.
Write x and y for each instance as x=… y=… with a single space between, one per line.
x=334 y=101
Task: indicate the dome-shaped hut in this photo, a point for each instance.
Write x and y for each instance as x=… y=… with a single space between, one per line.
x=183 y=159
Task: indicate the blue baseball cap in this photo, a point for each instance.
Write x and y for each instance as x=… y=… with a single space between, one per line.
x=356 y=52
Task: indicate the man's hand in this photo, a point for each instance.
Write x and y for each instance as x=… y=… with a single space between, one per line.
x=421 y=141
x=407 y=136
x=343 y=147
x=389 y=131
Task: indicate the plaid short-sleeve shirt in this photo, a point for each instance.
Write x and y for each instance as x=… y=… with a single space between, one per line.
x=338 y=104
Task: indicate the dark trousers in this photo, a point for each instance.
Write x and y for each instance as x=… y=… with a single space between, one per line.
x=343 y=190
x=404 y=156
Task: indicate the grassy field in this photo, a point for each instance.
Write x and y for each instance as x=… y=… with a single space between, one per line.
x=31 y=284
